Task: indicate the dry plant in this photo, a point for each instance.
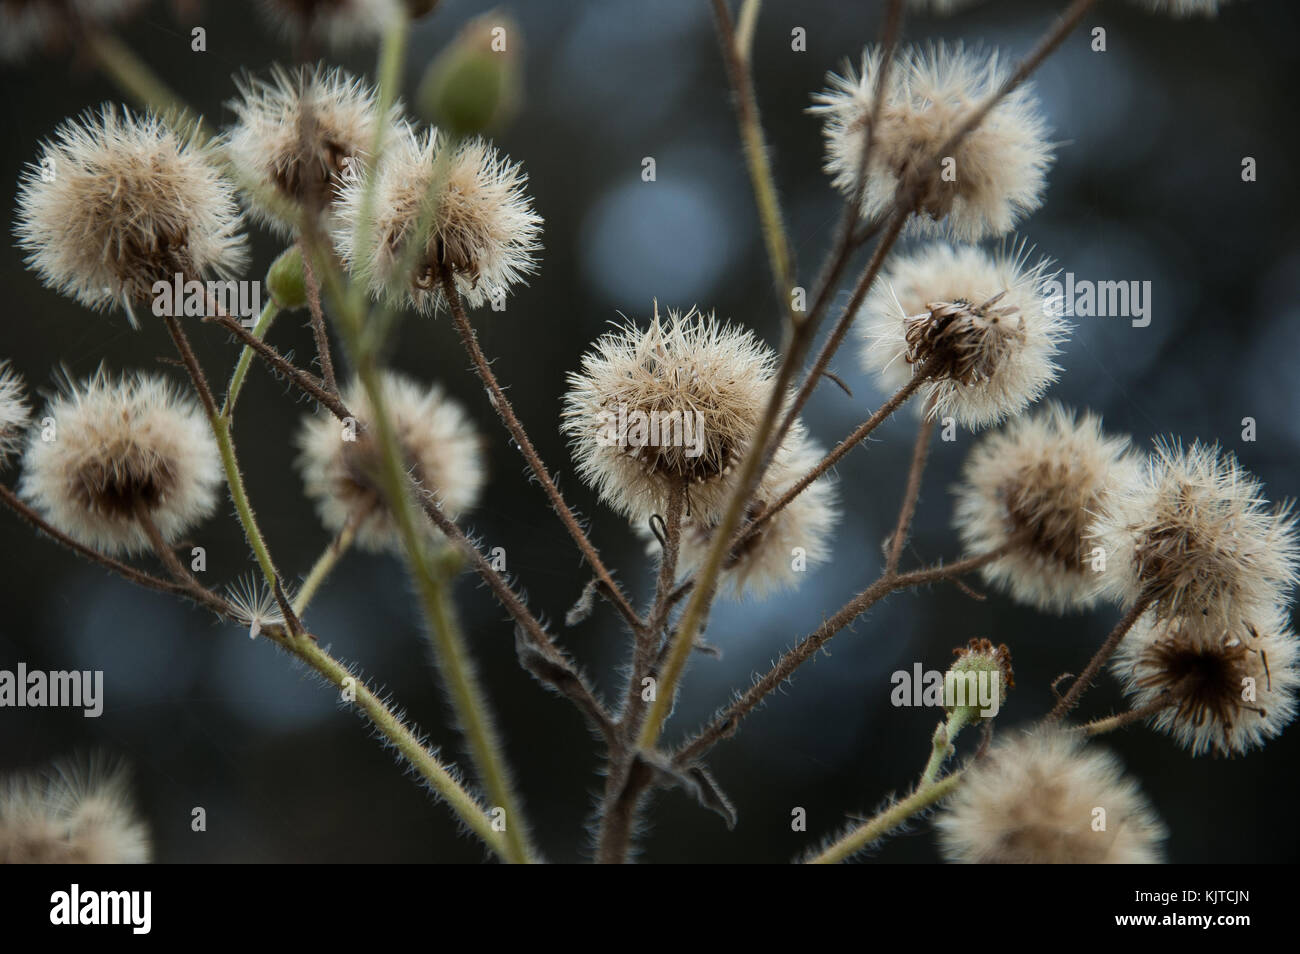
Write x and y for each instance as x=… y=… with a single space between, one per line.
x=687 y=425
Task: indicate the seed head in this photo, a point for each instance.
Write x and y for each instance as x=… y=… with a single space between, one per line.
x=991 y=179
x=1196 y=535
x=484 y=234
x=1034 y=799
x=14 y=411
x=1229 y=691
x=297 y=137
x=340 y=462
x=980 y=326
x=72 y=815
x=794 y=541
x=690 y=391
x=1036 y=485
x=117 y=448
x=118 y=202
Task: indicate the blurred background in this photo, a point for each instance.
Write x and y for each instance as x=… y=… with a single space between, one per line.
x=1147 y=187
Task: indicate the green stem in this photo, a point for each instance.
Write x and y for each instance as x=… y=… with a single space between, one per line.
x=324 y=565
x=861 y=837
x=139 y=82
x=246 y=358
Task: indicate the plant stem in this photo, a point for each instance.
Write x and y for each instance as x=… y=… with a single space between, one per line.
x=269 y=311
x=920 y=452
x=505 y=410
x=318 y=329
x=1122 y=719
x=325 y=564
x=1107 y=649
x=134 y=76
x=736 y=56
x=882 y=824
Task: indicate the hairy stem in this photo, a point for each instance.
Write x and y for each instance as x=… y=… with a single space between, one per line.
x=326 y=562
x=891 y=818
x=269 y=311
x=920 y=452
x=1107 y=649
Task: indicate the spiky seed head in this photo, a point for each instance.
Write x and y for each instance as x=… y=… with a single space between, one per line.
x=73 y=814
x=339 y=461
x=14 y=411
x=116 y=446
x=1229 y=690
x=670 y=405
x=785 y=548
x=991 y=179
x=981 y=326
x=297 y=136
x=338 y=23
x=30 y=27
x=977 y=656
x=1196 y=536
x=1036 y=486
x=1034 y=799
x=118 y=202
x=484 y=235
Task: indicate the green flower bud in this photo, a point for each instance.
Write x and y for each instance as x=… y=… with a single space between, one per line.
x=976 y=684
x=473 y=85
x=285 y=280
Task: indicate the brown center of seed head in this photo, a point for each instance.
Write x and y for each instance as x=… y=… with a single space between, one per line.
x=961 y=341
x=310 y=176
x=113 y=485
x=145 y=258
x=1205 y=680
x=1043 y=515
x=1173 y=558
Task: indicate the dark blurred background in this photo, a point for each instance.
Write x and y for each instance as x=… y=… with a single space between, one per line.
x=1148 y=186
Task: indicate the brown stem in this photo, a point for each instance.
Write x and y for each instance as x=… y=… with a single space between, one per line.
x=1107 y=649
x=728 y=720
x=305 y=382
x=144 y=517
x=920 y=453
x=318 y=329
x=192 y=366
x=506 y=412
x=560 y=672
x=1122 y=719
x=835 y=456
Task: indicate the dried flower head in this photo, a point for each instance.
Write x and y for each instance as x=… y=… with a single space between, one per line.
x=339 y=23
x=41 y=26
x=1198 y=538
x=1034 y=799
x=119 y=451
x=340 y=460
x=72 y=815
x=298 y=135
x=982 y=327
x=794 y=541
x=1035 y=487
x=118 y=202
x=484 y=234
x=983 y=186
x=667 y=407
x=1228 y=691
x=14 y=412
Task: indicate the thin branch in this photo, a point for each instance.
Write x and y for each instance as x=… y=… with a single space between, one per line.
x=318 y=330
x=1122 y=719
x=506 y=412
x=855 y=840
x=1107 y=649
x=920 y=453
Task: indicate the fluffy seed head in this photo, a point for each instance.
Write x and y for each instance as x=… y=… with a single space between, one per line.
x=339 y=23
x=1036 y=486
x=1229 y=690
x=118 y=202
x=998 y=171
x=1033 y=799
x=982 y=326
x=43 y=26
x=485 y=234
x=794 y=541
x=1184 y=8
x=298 y=135
x=339 y=462
x=117 y=448
x=14 y=412
x=72 y=815
x=1196 y=535
x=670 y=404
